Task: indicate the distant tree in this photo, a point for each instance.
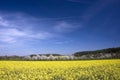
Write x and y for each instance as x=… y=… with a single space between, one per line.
x=114 y=52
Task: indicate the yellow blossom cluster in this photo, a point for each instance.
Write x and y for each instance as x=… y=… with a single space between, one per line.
x=60 y=70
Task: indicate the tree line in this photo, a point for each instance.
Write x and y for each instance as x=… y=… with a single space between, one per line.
x=114 y=52
x=96 y=54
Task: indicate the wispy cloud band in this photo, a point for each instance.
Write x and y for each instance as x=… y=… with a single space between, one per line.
x=25 y=27
x=11 y=29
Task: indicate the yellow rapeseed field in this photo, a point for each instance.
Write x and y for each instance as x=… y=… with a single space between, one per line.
x=60 y=70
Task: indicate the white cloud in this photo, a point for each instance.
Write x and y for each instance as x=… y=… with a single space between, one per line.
x=3 y=22
x=12 y=32
x=62 y=42
x=40 y=35
x=7 y=39
x=66 y=27
x=15 y=27
x=16 y=20
x=12 y=35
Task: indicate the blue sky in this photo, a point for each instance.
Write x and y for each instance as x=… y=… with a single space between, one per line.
x=58 y=26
